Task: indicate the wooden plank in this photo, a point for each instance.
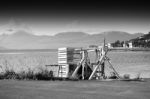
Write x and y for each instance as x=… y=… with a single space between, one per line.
x=59 y=59
x=62 y=53
x=62 y=48
x=95 y=69
x=63 y=68
x=65 y=65
x=113 y=69
x=62 y=62
x=59 y=55
x=63 y=74
x=66 y=50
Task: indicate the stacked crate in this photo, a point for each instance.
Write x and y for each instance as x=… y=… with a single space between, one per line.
x=54 y=68
x=67 y=56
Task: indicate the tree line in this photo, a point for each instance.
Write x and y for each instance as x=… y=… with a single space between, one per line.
x=142 y=41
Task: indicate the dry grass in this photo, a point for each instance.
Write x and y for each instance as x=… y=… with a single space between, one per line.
x=26 y=66
x=24 y=62
x=132 y=63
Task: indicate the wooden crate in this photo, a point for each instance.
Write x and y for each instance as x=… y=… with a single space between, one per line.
x=67 y=56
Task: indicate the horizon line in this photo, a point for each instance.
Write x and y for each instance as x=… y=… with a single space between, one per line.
x=34 y=33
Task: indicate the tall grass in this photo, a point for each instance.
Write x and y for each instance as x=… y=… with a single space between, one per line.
x=31 y=65
x=29 y=75
x=26 y=66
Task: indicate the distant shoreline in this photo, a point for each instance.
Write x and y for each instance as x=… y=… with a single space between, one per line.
x=26 y=50
x=129 y=49
x=116 y=49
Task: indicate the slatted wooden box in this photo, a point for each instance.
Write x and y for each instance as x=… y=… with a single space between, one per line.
x=67 y=56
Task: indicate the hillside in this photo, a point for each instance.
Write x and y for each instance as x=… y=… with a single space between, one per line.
x=25 y=40
x=141 y=41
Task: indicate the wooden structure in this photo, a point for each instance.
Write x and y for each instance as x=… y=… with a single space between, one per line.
x=54 y=68
x=75 y=62
x=67 y=57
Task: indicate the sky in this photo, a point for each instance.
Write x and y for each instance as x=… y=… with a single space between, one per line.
x=48 y=18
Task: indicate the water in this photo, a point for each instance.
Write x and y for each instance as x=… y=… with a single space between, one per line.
x=133 y=63
x=129 y=62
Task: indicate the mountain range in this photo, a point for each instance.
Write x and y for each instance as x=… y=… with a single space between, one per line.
x=25 y=40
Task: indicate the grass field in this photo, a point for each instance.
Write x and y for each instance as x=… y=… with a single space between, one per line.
x=13 y=89
x=25 y=61
x=131 y=63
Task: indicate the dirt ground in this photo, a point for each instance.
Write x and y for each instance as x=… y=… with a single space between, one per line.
x=13 y=89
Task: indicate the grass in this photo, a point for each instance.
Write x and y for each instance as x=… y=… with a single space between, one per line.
x=30 y=75
x=26 y=66
x=132 y=63
x=43 y=74
x=22 y=62
x=12 y=89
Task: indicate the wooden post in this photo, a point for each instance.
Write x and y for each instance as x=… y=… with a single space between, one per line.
x=103 y=69
x=80 y=64
x=76 y=70
x=83 y=64
x=83 y=67
x=113 y=69
x=93 y=72
x=103 y=55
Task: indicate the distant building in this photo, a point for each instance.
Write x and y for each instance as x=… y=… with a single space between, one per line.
x=109 y=45
x=130 y=45
x=124 y=45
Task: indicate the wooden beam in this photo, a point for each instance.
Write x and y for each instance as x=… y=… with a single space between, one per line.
x=113 y=69
x=80 y=64
x=93 y=72
x=83 y=67
x=100 y=61
x=76 y=70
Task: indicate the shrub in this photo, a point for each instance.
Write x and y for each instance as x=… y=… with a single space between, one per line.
x=126 y=76
x=45 y=75
x=9 y=74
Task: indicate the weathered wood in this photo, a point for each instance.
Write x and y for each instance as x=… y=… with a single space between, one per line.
x=99 y=63
x=76 y=70
x=93 y=72
x=67 y=56
x=114 y=69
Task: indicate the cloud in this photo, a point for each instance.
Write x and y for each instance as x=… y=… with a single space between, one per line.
x=74 y=25
x=14 y=25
